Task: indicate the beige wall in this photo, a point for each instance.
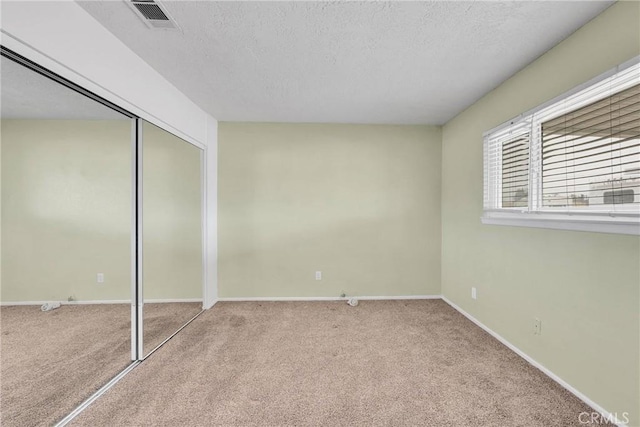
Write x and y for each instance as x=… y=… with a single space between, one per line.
x=65 y=209
x=172 y=216
x=585 y=287
x=1 y=210
x=359 y=203
x=66 y=212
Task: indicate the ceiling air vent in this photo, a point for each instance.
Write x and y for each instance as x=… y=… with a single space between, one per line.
x=153 y=14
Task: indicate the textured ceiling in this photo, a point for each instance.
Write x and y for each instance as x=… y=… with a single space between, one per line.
x=28 y=95
x=346 y=62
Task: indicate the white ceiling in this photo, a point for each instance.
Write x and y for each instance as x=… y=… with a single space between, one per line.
x=344 y=62
x=26 y=94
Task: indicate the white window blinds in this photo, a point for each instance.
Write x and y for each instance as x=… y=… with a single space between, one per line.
x=577 y=154
x=515 y=172
x=507 y=154
x=590 y=149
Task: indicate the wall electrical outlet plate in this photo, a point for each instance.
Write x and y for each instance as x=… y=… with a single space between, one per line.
x=537 y=326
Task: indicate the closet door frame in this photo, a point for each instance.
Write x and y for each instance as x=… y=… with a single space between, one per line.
x=137 y=272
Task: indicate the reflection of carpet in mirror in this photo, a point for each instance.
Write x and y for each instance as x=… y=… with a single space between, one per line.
x=163 y=319
x=52 y=361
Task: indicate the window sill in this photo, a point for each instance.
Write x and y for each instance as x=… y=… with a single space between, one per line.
x=629 y=224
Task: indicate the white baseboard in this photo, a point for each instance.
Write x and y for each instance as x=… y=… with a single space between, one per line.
x=160 y=301
x=91 y=302
x=274 y=299
x=14 y=303
x=607 y=415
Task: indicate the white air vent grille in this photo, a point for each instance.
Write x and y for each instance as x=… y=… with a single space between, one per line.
x=151 y=11
x=153 y=14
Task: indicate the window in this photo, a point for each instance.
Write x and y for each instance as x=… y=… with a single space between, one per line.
x=515 y=172
x=573 y=163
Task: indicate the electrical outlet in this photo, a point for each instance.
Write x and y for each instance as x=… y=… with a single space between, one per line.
x=537 y=326
x=100 y=278
x=318 y=275
x=474 y=294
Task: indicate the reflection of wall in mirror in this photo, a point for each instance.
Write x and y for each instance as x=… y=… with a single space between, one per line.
x=172 y=216
x=66 y=211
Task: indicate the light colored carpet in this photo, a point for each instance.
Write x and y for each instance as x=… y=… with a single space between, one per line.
x=161 y=320
x=52 y=361
x=412 y=363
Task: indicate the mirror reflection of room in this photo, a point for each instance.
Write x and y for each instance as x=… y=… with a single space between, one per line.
x=172 y=234
x=66 y=247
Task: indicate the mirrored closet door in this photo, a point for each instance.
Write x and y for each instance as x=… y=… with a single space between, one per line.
x=171 y=234
x=101 y=242
x=66 y=168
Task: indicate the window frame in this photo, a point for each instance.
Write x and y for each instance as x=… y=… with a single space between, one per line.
x=534 y=214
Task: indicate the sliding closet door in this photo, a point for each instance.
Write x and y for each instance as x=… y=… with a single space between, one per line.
x=172 y=285
x=66 y=246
